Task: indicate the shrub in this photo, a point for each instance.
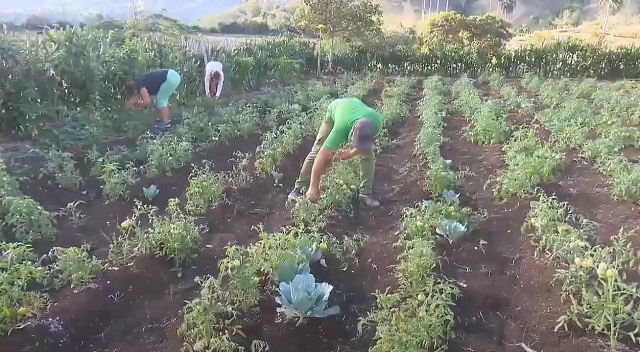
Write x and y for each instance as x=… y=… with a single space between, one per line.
x=451 y=29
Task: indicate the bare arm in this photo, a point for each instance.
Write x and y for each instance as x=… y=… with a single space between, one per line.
x=220 y=82
x=207 y=83
x=320 y=165
x=144 y=95
x=347 y=153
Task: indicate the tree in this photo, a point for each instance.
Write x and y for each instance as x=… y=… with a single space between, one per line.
x=448 y=30
x=339 y=19
x=608 y=6
x=345 y=19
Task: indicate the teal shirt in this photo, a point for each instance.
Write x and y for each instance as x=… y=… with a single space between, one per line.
x=345 y=113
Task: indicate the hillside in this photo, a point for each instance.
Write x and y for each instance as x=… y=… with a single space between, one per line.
x=209 y=13
x=535 y=13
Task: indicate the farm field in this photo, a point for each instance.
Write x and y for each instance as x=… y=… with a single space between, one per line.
x=507 y=219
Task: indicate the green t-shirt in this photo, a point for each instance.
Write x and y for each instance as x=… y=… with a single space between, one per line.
x=345 y=113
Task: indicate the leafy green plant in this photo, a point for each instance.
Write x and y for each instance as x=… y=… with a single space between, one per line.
x=240 y=175
x=206 y=189
x=117 y=179
x=74 y=267
x=26 y=219
x=174 y=236
x=290 y=268
x=210 y=320
x=303 y=298
x=20 y=275
x=451 y=230
x=150 y=192
x=167 y=153
x=62 y=166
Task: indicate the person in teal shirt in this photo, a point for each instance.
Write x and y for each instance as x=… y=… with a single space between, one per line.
x=347 y=120
x=159 y=83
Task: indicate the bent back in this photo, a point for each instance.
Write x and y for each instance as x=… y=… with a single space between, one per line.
x=152 y=81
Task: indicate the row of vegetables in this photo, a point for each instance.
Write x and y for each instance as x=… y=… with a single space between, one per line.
x=597 y=119
x=284 y=260
x=417 y=315
x=528 y=160
x=598 y=281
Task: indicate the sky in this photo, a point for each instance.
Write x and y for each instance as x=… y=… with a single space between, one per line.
x=186 y=10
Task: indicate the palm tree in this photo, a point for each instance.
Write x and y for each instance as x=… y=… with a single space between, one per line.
x=507 y=6
x=608 y=6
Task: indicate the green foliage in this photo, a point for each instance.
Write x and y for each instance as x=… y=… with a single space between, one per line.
x=349 y=20
x=451 y=29
x=23 y=280
x=598 y=280
x=174 y=236
x=211 y=320
x=21 y=216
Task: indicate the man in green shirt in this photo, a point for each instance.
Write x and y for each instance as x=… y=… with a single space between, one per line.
x=347 y=119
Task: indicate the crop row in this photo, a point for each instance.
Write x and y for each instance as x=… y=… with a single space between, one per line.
x=25 y=280
x=528 y=161
x=597 y=121
x=281 y=263
x=597 y=280
x=440 y=176
x=417 y=315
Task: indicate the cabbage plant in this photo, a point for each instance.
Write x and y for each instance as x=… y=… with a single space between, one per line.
x=451 y=196
x=290 y=268
x=452 y=230
x=303 y=298
x=310 y=250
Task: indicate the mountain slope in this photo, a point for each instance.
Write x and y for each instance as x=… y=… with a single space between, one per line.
x=406 y=12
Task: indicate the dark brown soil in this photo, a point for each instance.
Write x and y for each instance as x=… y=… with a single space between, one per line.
x=507 y=294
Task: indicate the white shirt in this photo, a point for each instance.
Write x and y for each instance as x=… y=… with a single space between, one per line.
x=213 y=66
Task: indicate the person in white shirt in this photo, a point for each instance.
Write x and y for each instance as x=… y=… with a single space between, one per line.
x=214 y=78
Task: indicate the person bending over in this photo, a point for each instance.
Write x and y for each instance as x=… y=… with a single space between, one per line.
x=159 y=83
x=213 y=78
x=347 y=119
